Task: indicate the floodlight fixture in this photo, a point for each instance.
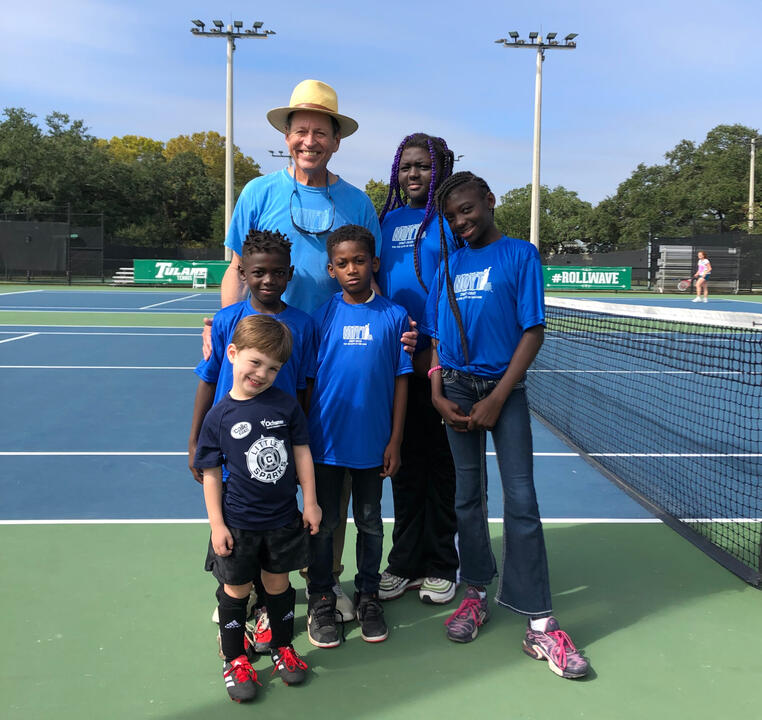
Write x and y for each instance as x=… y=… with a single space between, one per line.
x=233 y=31
x=548 y=43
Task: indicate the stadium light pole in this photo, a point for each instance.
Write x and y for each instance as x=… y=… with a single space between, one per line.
x=280 y=154
x=231 y=33
x=537 y=43
x=751 y=184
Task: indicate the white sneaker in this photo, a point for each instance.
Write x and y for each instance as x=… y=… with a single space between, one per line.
x=706 y=300
x=696 y=299
x=344 y=604
x=437 y=591
x=394 y=586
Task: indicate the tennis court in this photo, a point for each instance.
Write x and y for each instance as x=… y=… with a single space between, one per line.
x=105 y=607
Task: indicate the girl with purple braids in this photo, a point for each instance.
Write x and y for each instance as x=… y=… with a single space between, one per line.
x=423 y=554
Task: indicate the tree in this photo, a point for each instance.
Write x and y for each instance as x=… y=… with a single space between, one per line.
x=564 y=217
x=377 y=191
x=190 y=198
x=210 y=147
x=133 y=148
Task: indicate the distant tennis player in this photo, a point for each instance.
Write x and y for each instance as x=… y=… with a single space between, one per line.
x=702 y=274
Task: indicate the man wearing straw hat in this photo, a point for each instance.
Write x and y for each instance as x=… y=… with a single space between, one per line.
x=306 y=201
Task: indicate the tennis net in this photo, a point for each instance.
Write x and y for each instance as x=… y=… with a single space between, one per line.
x=668 y=403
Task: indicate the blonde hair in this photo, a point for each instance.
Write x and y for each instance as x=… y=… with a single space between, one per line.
x=264 y=334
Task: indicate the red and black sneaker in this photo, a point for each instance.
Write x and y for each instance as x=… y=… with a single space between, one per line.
x=240 y=679
x=288 y=664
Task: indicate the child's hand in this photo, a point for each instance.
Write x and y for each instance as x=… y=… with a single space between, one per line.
x=206 y=339
x=392 y=460
x=451 y=413
x=311 y=517
x=198 y=475
x=409 y=338
x=222 y=541
x=484 y=414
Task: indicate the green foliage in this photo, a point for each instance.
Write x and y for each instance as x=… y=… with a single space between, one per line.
x=377 y=191
x=564 y=217
x=151 y=194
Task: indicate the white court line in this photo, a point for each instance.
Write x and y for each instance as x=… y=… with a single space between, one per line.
x=204 y=521
x=64 y=325
x=166 y=302
x=636 y=455
x=652 y=372
x=110 y=334
x=93 y=367
x=87 y=453
x=20 y=337
x=21 y=292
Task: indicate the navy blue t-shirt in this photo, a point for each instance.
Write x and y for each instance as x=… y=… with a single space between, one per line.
x=499 y=291
x=254 y=439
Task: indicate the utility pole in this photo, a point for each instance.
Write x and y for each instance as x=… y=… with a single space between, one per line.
x=536 y=42
x=230 y=34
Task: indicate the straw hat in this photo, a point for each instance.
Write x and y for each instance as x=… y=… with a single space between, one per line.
x=314 y=96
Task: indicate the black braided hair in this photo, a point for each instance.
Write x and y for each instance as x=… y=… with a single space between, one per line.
x=455 y=182
x=442 y=160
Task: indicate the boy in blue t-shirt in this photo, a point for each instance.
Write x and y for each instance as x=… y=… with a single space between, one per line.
x=356 y=418
x=266 y=269
x=260 y=434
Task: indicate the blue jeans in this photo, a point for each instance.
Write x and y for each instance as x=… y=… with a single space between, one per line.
x=524 y=586
x=366 y=507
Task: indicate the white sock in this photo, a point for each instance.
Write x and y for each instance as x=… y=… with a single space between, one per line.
x=538 y=624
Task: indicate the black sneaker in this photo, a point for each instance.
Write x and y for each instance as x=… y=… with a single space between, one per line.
x=240 y=679
x=321 y=620
x=370 y=615
x=288 y=665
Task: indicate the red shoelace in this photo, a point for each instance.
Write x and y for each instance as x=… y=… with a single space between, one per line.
x=242 y=670
x=288 y=657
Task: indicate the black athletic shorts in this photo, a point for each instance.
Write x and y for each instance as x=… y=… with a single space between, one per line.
x=276 y=551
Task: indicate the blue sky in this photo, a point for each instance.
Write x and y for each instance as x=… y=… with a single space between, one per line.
x=643 y=77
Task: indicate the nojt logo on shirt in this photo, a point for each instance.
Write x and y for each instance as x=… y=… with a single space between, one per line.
x=357 y=334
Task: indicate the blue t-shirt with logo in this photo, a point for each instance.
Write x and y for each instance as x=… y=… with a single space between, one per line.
x=292 y=376
x=254 y=438
x=499 y=291
x=359 y=357
x=269 y=202
x=396 y=275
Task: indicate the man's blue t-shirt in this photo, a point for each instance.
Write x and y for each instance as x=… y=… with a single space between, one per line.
x=292 y=376
x=499 y=291
x=269 y=202
x=254 y=439
x=396 y=276
x=359 y=357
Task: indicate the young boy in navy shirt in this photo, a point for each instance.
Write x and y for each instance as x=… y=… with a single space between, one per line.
x=266 y=269
x=356 y=419
x=260 y=434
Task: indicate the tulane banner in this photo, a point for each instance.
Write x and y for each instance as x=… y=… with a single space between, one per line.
x=587 y=278
x=178 y=272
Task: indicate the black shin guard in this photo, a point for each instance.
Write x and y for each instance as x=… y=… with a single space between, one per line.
x=280 y=610
x=232 y=613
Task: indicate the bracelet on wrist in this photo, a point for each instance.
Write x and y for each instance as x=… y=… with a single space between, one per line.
x=433 y=370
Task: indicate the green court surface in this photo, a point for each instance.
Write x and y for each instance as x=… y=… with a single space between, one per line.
x=114 y=621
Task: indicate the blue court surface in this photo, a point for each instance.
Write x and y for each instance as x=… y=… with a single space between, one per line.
x=100 y=417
